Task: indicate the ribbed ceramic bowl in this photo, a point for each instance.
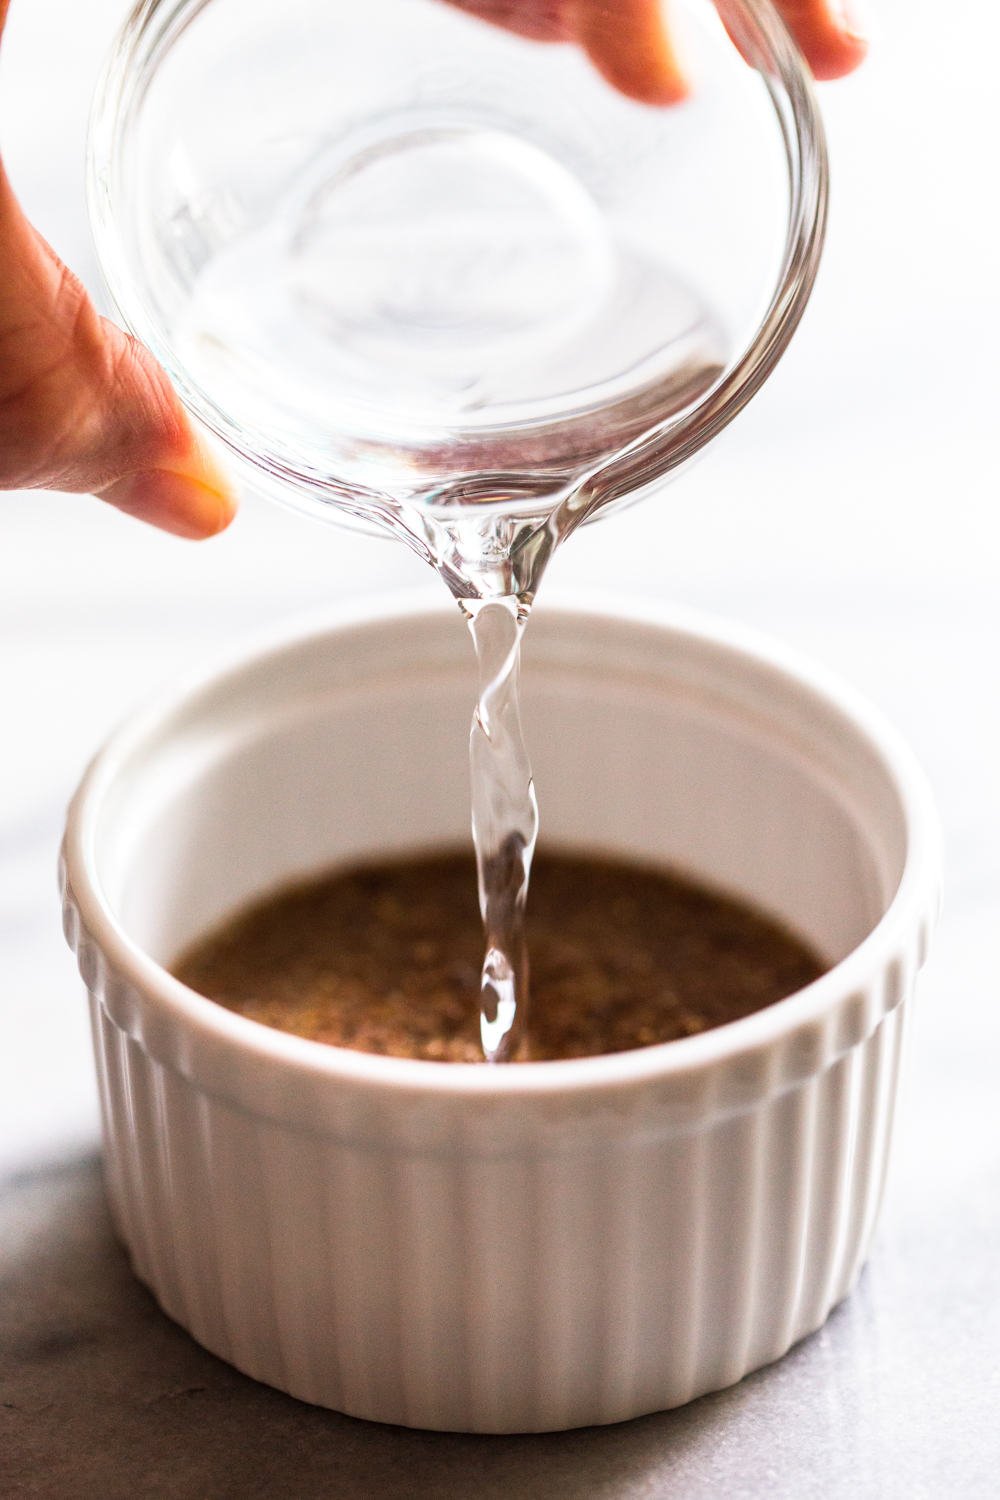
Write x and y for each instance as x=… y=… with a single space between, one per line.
x=515 y=1248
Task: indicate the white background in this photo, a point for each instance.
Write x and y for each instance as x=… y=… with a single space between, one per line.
x=854 y=510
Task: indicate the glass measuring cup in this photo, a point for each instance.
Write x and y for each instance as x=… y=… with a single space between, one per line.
x=427 y=275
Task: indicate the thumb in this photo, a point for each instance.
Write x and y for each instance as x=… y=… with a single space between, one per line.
x=84 y=407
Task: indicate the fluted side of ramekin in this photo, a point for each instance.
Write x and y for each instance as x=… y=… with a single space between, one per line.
x=622 y=1267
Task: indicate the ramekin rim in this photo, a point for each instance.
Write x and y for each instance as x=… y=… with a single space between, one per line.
x=913 y=903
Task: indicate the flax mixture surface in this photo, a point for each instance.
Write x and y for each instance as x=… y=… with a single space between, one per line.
x=385 y=958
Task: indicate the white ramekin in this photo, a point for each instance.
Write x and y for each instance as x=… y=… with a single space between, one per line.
x=519 y=1248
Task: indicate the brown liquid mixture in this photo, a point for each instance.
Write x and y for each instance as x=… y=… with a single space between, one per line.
x=386 y=958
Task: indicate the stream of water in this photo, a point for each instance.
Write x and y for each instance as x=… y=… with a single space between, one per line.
x=504 y=823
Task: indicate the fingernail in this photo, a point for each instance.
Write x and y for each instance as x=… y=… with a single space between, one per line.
x=174 y=502
x=854 y=18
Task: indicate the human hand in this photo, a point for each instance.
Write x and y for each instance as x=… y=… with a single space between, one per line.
x=630 y=43
x=84 y=407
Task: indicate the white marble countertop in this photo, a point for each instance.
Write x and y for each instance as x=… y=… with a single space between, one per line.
x=854 y=510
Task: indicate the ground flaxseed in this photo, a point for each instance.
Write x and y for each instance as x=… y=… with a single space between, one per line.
x=385 y=958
